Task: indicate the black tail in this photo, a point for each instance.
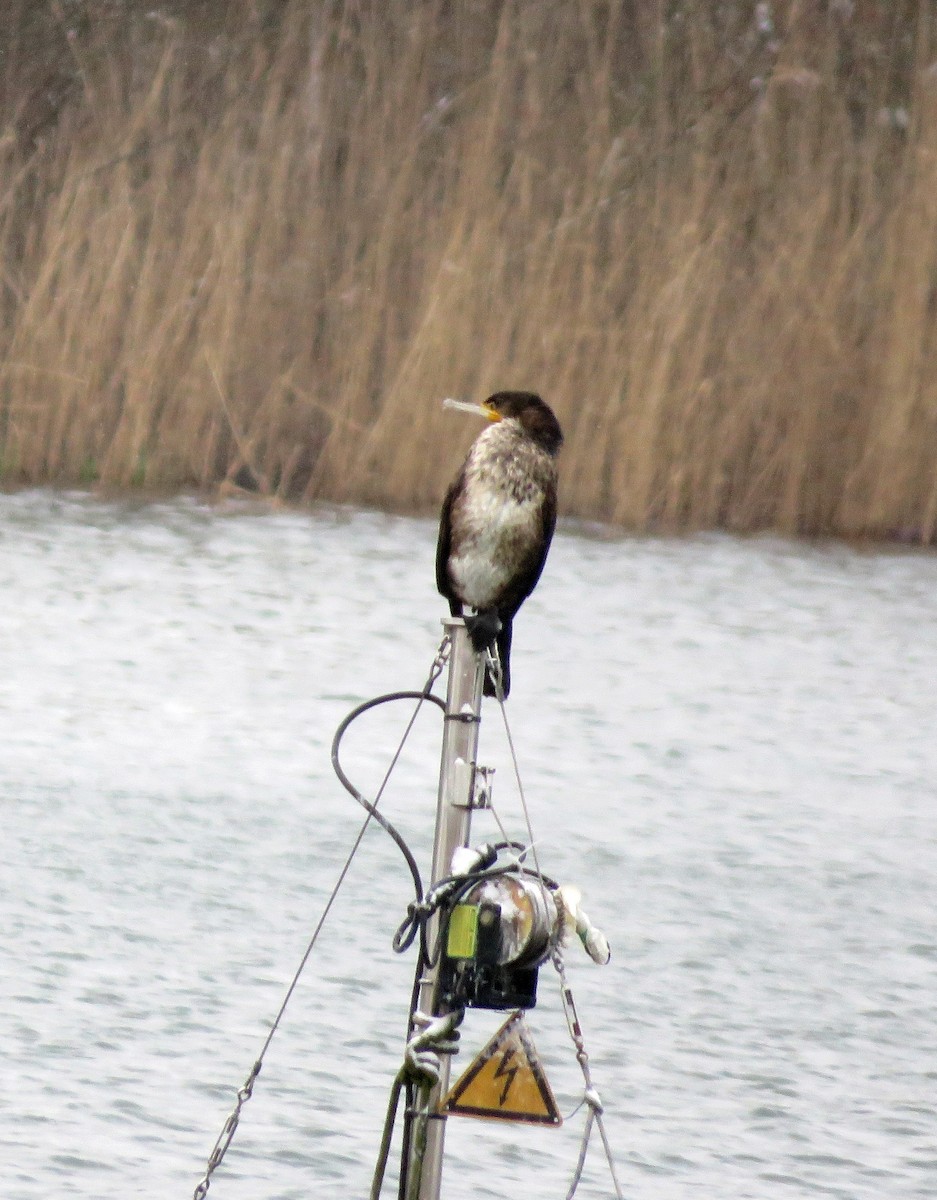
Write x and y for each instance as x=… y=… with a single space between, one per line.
x=504 y=653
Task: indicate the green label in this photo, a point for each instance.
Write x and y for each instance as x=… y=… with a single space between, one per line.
x=463 y=931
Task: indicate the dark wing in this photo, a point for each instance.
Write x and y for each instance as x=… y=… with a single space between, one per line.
x=526 y=583
x=442 y=552
x=522 y=589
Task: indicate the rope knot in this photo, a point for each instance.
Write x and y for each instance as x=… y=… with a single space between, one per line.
x=434 y=1036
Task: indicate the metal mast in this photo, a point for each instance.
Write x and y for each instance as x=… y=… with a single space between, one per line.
x=453 y=819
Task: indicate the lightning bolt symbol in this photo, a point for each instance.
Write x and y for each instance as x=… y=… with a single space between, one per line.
x=506 y=1071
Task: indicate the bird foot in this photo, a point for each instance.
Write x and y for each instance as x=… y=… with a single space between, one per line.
x=483 y=628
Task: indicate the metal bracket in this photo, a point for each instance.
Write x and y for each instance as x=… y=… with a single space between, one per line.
x=484 y=782
x=474 y=782
x=462 y=775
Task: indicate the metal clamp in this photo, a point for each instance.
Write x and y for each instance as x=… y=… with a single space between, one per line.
x=483 y=784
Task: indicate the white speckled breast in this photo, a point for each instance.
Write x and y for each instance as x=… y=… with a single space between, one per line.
x=497 y=525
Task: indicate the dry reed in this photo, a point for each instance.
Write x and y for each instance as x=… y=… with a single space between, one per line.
x=255 y=250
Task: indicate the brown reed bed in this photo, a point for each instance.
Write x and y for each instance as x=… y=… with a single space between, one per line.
x=252 y=246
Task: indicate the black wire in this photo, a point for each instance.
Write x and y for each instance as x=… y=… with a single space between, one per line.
x=366 y=804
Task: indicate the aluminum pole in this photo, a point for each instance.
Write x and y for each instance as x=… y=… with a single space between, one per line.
x=453 y=819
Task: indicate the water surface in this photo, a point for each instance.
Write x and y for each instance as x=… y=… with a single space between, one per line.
x=728 y=744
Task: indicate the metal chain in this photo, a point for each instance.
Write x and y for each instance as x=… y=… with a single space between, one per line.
x=244 y=1094
x=442 y=657
x=590 y=1095
x=227 y=1133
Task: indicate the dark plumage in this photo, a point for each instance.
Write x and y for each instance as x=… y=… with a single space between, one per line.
x=498 y=518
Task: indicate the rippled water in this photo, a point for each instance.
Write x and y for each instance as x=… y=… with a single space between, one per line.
x=728 y=744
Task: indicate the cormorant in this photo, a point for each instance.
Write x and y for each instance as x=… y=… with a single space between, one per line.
x=498 y=518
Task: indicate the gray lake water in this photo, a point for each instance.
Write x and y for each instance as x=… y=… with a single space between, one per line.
x=727 y=744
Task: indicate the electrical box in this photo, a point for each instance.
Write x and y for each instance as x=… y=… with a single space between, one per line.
x=494 y=941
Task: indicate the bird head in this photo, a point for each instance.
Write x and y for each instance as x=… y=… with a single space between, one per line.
x=535 y=417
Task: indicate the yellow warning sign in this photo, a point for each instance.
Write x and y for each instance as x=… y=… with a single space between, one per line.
x=506 y=1081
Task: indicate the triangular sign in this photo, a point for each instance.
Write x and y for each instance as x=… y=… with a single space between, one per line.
x=506 y=1081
